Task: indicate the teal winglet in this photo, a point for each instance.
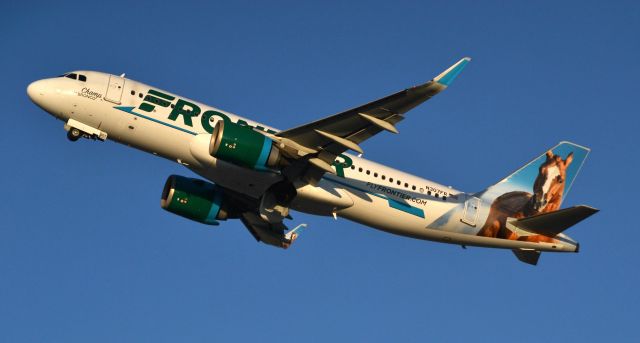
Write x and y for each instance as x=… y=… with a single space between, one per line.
x=447 y=77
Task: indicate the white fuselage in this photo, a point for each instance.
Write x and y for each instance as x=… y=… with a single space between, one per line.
x=369 y=193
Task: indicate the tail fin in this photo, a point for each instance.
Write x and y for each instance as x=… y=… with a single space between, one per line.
x=548 y=178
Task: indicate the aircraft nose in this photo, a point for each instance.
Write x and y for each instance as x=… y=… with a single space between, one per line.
x=35 y=90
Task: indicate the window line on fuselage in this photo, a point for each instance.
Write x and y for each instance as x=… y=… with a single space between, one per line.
x=396 y=181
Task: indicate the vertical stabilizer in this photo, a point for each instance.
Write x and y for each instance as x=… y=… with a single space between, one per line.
x=548 y=177
x=537 y=188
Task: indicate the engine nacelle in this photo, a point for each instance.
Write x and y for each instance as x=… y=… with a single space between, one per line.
x=243 y=146
x=194 y=199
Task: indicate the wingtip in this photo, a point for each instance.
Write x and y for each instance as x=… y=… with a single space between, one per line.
x=447 y=77
x=590 y=209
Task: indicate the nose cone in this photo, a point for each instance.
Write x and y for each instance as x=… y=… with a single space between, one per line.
x=45 y=93
x=35 y=91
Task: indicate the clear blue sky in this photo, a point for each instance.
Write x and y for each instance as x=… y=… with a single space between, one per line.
x=87 y=255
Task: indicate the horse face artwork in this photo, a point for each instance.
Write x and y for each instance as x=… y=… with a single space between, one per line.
x=549 y=184
x=548 y=188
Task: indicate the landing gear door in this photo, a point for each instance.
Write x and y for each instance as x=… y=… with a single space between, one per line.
x=471 y=207
x=115 y=88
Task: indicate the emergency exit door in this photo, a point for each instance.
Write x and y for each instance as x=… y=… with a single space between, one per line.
x=471 y=208
x=115 y=88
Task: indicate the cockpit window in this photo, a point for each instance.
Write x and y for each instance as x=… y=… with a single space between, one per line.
x=72 y=76
x=82 y=78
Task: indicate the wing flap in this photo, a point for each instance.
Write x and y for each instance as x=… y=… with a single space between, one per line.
x=268 y=233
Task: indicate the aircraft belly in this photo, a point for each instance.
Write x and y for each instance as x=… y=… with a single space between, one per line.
x=323 y=199
x=375 y=212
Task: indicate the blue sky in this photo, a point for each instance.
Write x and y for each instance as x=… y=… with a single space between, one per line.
x=86 y=253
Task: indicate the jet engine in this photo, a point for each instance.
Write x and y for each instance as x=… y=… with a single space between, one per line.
x=194 y=199
x=243 y=146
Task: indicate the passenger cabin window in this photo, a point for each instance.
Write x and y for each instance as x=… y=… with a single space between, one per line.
x=72 y=76
x=82 y=78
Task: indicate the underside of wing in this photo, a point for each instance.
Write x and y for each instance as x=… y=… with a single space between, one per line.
x=276 y=234
x=262 y=231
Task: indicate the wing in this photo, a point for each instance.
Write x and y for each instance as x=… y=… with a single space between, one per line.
x=343 y=131
x=263 y=231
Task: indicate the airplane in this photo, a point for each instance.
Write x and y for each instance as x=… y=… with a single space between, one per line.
x=257 y=174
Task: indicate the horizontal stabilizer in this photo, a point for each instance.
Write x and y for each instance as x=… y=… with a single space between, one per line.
x=527 y=256
x=552 y=223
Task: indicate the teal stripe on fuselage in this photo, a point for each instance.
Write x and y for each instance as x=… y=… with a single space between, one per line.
x=395 y=204
x=406 y=208
x=129 y=109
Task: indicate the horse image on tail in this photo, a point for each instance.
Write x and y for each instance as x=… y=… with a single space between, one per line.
x=547 y=197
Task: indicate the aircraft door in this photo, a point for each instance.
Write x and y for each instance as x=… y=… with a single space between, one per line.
x=114 y=89
x=471 y=208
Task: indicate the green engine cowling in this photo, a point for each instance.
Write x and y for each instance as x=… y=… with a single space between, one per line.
x=243 y=146
x=194 y=199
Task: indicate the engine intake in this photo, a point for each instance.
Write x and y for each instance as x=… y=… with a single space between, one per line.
x=194 y=199
x=243 y=146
